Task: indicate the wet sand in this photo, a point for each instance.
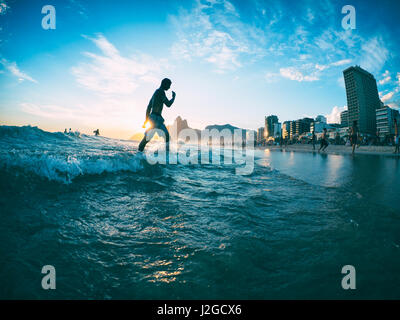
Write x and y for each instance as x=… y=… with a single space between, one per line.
x=336 y=149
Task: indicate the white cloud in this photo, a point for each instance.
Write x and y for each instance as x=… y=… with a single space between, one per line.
x=14 y=70
x=3 y=7
x=386 y=78
x=310 y=15
x=307 y=73
x=389 y=95
x=321 y=67
x=334 y=116
x=110 y=73
x=394 y=105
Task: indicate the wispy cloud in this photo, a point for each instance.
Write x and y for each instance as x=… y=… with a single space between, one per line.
x=14 y=70
x=105 y=113
x=341 y=62
x=225 y=38
x=308 y=71
x=78 y=7
x=214 y=32
x=374 y=54
x=111 y=73
x=296 y=75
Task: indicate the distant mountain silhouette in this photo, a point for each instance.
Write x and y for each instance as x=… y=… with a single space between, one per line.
x=180 y=124
x=137 y=136
x=222 y=127
x=177 y=127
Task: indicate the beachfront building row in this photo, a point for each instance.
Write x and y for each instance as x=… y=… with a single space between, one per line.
x=363 y=107
x=293 y=129
x=384 y=117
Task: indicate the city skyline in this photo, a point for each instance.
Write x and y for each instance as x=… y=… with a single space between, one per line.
x=102 y=63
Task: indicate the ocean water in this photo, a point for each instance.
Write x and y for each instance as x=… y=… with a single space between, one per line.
x=116 y=227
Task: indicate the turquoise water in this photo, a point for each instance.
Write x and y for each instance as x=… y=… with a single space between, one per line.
x=114 y=226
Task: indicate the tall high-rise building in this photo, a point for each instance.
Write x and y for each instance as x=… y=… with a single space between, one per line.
x=286 y=130
x=292 y=129
x=269 y=126
x=344 y=118
x=302 y=126
x=306 y=124
x=362 y=98
x=260 y=135
x=277 y=129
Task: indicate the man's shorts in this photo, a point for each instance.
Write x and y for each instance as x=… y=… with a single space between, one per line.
x=157 y=123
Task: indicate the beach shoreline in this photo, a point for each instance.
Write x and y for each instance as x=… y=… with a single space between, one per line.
x=335 y=149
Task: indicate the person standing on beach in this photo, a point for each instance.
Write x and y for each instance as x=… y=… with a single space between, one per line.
x=313 y=138
x=377 y=138
x=153 y=114
x=396 y=137
x=324 y=141
x=354 y=135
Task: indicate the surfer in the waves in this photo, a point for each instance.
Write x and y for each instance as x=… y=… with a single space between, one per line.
x=153 y=114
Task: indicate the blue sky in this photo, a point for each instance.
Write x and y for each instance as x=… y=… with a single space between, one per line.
x=230 y=61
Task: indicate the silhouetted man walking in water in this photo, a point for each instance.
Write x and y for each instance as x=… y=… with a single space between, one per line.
x=153 y=114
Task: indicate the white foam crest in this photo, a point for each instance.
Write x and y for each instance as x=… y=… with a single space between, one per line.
x=66 y=168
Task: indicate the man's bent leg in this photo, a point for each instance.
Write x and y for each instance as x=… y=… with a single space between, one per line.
x=164 y=129
x=143 y=143
x=147 y=137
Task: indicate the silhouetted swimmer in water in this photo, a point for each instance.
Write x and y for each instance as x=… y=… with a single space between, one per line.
x=96 y=132
x=153 y=114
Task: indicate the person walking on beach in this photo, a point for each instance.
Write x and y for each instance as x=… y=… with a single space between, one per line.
x=153 y=114
x=324 y=141
x=354 y=135
x=396 y=137
x=313 y=139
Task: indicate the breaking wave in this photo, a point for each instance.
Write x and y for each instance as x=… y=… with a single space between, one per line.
x=63 y=157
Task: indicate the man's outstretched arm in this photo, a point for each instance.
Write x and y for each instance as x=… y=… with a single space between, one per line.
x=148 y=110
x=169 y=103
